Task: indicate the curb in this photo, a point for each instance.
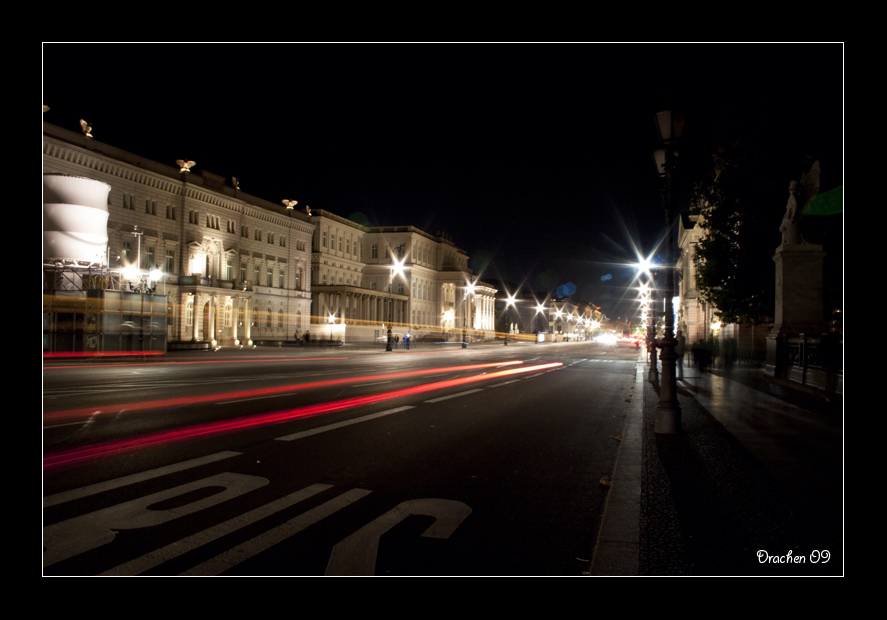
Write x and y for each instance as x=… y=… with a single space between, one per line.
x=617 y=549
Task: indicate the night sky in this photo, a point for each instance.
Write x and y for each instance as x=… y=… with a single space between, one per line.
x=537 y=159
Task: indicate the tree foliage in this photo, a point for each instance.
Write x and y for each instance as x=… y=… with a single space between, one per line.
x=738 y=205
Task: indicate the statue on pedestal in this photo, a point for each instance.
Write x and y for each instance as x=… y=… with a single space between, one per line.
x=800 y=193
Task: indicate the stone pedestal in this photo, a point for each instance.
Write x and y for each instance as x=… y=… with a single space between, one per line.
x=798 y=301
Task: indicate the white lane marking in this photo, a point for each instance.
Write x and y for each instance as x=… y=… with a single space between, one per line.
x=180 y=547
x=67 y=496
x=81 y=534
x=437 y=400
x=536 y=375
x=501 y=384
x=254 y=546
x=330 y=427
x=366 y=384
x=68 y=424
x=356 y=555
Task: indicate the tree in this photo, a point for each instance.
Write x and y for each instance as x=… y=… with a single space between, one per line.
x=737 y=203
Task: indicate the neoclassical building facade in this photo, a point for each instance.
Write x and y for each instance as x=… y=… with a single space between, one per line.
x=367 y=278
x=694 y=316
x=235 y=268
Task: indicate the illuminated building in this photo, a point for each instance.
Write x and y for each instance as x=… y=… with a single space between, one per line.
x=234 y=268
x=436 y=294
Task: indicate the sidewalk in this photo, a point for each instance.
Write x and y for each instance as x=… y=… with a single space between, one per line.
x=751 y=472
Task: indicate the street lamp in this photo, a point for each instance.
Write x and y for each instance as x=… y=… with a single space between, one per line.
x=469 y=290
x=648 y=311
x=668 y=411
x=509 y=302
x=540 y=309
x=396 y=269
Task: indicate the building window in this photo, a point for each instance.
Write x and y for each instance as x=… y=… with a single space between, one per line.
x=127 y=252
x=347 y=246
x=374 y=250
x=229 y=269
x=170 y=212
x=258 y=272
x=340 y=243
x=324 y=239
x=268 y=319
x=193 y=217
x=281 y=278
x=150 y=207
x=258 y=235
x=283 y=242
x=227 y=316
x=242 y=272
x=270 y=274
x=271 y=238
x=244 y=231
x=298 y=285
x=230 y=226
x=149 y=259
x=170 y=261
x=189 y=314
x=280 y=319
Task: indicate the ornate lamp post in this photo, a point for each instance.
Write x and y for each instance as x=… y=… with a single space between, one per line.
x=668 y=411
x=396 y=269
x=540 y=309
x=509 y=302
x=469 y=290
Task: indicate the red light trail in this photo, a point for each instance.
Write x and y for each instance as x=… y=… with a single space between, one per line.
x=193 y=400
x=215 y=428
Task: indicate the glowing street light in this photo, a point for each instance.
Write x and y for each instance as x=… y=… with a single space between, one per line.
x=397 y=269
x=469 y=290
x=511 y=300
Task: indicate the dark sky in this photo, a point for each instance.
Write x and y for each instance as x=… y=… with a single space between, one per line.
x=537 y=159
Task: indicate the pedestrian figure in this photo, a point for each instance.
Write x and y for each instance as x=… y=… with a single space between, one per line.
x=679 y=347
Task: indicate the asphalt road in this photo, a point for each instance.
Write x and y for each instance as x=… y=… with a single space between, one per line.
x=485 y=461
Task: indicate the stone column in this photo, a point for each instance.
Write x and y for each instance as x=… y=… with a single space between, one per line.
x=233 y=319
x=247 y=320
x=195 y=315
